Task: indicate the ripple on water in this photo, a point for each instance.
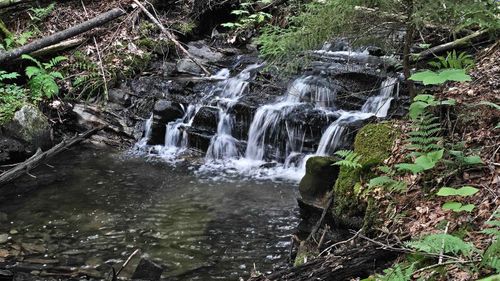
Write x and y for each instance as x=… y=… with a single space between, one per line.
x=107 y=205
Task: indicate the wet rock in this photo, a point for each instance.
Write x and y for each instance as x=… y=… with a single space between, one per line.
x=31 y=127
x=33 y=248
x=4 y=238
x=319 y=179
x=90 y=272
x=6 y=275
x=198 y=139
x=164 y=112
x=147 y=270
x=41 y=261
x=90 y=116
x=3 y=217
x=243 y=115
x=11 y=151
x=206 y=119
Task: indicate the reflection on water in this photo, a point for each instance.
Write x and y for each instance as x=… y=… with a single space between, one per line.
x=104 y=205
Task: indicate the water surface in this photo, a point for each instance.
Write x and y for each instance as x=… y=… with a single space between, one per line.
x=104 y=205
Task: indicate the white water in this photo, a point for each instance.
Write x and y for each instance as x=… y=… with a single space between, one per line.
x=275 y=147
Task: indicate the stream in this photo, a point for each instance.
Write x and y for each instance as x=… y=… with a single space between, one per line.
x=104 y=205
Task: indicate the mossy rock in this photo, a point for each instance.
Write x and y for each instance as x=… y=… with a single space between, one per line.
x=373 y=142
x=320 y=176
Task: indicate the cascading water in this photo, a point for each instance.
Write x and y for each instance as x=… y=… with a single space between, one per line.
x=282 y=135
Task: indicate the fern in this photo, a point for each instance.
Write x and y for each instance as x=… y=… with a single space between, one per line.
x=424 y=134
x=42 y=81
x=449 y=244
x=351 y=159
x=452 y=60
x=388 y=183
x=12 y=96
x=397 y=273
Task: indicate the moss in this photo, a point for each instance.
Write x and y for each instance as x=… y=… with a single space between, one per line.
x=373 y=142
x=185 y=27
x=320 y=174
x=160 y=46
x=305 y=253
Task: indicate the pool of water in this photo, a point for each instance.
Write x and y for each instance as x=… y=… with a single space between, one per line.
x=105 y=204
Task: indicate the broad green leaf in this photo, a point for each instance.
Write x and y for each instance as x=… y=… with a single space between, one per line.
x=452 y=206
x=415 y=169
x=463 y=191
x=435 y=156
x=457 y=75
x=491 y=278
x=417 y=108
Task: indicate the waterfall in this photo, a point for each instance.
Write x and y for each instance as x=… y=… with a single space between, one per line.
x=374 y=106
x=147 y=134
x=280 y=136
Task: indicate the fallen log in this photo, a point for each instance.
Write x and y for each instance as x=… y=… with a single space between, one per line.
x=40 y=156
x=68 y=44
x=171 y=37
x=449 y=46
x=62 y=35
x=348 y=264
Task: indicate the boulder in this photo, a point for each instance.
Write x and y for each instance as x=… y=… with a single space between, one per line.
x=147 y=270
x=319 y=179
x=164 y=112
x=198 y=139
x=30 y=127
x=202 y=51
x=11 y=151
x=206 y=119
x=243 y=115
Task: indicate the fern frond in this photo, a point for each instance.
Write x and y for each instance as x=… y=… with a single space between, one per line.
x=351 y=159
x=449 y=244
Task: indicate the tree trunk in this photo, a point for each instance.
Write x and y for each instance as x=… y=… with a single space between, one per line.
x=350 y=264
x=62 y=35
x=410 y=28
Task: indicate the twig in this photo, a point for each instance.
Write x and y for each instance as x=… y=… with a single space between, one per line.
x=126 y=262
x=322 y=239
x=341 y=242
x=443 y=264
x=441 y=252
x=322 y=218
x=171 y=37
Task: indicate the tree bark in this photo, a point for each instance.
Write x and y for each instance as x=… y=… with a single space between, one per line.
x=40 y=157
x=7 y=3
x=449 y=46
x=410 y=28
x=62 y=35
x=352 y=263
x=59 y=47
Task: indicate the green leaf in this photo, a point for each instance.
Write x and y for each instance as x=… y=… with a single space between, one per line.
x=463 y=191
x=32 y=71
x=28 y=57
x=434 y=243
x=415 y=169
x=457 y=75
x=494 y=105
x=417 y=108
x=491 y=278
x=458 y=207
x=56 y=74
x=472 y=160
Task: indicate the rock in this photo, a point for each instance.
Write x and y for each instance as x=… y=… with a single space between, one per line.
x=243 y=115
x=30 y=126
x=90 y=272
x=6 y=275
x=198 y=139
x=188 y=66
x=200 y=50
x=3 y=217
x=147 y=270
x=206 y=119
x=11 y=151
x=4 y=238
x=164 y=112
x=33 y=248
x=373 y=142
x=319 y=179
x=119 y=96
x=41 y=261
x=13 y=232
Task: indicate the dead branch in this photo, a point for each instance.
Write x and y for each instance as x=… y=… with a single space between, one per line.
x=171 y=37
x=450 y=45
x=40 y=156
x=62 y=35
